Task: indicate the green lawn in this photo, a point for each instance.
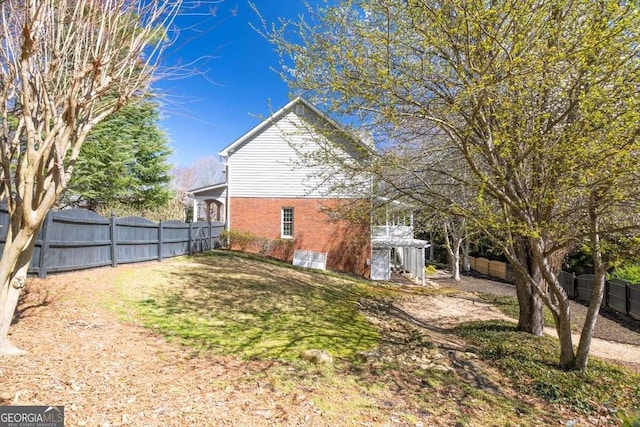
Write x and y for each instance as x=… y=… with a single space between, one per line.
x=231 y=304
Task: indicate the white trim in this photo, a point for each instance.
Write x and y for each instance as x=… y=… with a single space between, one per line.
x=227 y=213
x=282 y=235
x=207 y=188
x=229 y=149
x=398 y=242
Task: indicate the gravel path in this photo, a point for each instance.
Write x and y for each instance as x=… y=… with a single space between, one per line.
x=610 y=326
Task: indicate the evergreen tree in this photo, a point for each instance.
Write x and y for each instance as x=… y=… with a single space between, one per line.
x=123 y=161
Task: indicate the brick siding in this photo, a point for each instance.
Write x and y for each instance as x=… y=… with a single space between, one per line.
x=347 y=245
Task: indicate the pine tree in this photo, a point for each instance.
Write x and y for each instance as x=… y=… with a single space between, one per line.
x=123 y=161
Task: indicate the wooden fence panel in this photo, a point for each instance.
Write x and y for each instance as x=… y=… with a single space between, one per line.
x=616 y=296
x=498 y=269
x=584 y=287
x=482 y=266
x=634 y=301
x=175 y=238
x=619 y=295
x=199 y=236
x=75 y=239
x=136 y=240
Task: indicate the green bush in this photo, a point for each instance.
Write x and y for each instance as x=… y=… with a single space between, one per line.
x=430 y=270
x=630 y=273
x=264 y=246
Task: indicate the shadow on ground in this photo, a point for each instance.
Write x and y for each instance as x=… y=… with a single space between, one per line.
x=258 y=310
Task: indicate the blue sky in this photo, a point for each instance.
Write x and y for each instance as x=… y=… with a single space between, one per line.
x=204 y=113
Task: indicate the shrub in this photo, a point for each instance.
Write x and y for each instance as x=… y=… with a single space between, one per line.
x=172 y=210
x=630 y=273
x=238 y=239
x=629 y=418
x=430 y=270
x=283 y=248
x=264 y=246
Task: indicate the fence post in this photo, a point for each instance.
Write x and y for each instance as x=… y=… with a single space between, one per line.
x=42 y=264
x=190 y=233
x=112 y=232
x=160 y=240
x=606 y=293
x=210 y=235
x=627 y=299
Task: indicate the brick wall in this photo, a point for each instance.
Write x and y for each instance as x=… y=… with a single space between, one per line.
x=347 y=245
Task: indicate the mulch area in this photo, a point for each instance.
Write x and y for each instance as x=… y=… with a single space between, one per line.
x=611 y=326
x=111 y=373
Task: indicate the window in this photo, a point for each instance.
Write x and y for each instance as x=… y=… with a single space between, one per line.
x=287 y=222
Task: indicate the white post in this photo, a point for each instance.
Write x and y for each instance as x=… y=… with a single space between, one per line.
x=194 y=217
x=422 y=265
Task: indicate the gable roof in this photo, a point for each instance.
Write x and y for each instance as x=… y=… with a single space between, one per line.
x=229 y=149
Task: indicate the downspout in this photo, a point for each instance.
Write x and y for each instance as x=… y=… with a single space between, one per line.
x=227 y=213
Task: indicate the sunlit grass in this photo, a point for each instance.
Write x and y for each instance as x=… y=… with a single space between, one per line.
x=234 y=305
x=238 y=305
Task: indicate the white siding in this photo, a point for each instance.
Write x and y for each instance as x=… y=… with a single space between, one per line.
x=268 y=165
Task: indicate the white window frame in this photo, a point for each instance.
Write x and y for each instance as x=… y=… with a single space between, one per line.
x=284 y=222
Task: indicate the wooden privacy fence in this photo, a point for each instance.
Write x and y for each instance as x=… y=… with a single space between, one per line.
x=77 y=239
x=619 y=295
x=497 y=269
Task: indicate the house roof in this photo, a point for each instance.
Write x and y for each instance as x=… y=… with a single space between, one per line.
x=216 y=186
x=229 y=149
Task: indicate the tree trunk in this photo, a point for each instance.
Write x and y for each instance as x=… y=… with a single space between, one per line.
x=530 y=316
x=10 y=296
x=563 y=327
x=582 y=354
x=452 y=245
x=466 y=263
x=431 y=247
x=456 y=262
x=600 y=268
x=15 y=261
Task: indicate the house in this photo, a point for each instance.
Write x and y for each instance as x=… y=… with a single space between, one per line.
x=278 y=187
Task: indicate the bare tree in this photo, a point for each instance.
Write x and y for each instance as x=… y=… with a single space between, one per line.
x=205 y=171
x=65 y=65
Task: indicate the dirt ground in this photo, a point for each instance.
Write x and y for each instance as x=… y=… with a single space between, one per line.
x=616 y=337
x=108 y=373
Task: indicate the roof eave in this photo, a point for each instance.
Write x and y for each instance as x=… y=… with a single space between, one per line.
x=207 y=188
x=229 y=149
